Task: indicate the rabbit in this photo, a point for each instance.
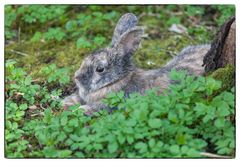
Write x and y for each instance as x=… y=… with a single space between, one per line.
x=111 y=69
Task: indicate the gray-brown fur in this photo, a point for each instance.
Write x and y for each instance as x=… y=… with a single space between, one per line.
x=111 y=69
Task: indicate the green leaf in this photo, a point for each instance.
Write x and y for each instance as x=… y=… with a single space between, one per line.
x=54 y=33
x=64 y=153
x=174 y=149
x=98 y=146
x=184 y=149
x=120 y=94
x=200 y=109
x=83 y=43
x=142 y=147
x=112 y=147
x=223 y=109
x=131 y=122
x=177 y=75
x=50 y=152
x=172 y=116
x=121 y=139
x=192 y=10
x=69 y=142
x=154 y=123
x=23 y=106
x=73 y=122
x=20 y=113
x=193 y=153
x=64 y=120
x=173 y=20
x=36 y=37
x=79 y=154
x=151 y=143
x=62 y=136
x=47 y=116
x=224 y=150
x=207 y=117
x=219 y=123
x=212 y=85
x=99 y=40
x=74 y=146
x=77 y=138
x=71 y=25
x=159 y=144
x=130 y=139
x=181 y=139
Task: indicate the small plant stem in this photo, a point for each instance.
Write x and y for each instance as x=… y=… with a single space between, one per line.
x=21 y=53
x=211 y=155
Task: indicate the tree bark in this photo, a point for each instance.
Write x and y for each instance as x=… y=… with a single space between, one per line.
x=223 y=47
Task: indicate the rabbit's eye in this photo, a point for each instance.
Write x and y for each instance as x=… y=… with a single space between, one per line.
x=100 y=69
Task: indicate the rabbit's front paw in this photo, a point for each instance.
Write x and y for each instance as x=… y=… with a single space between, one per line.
x=70 y=100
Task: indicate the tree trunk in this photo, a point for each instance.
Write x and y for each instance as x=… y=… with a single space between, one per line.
x=223 y=47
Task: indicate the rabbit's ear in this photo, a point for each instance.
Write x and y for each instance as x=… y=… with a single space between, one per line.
x=130 y=40
x=126 y=22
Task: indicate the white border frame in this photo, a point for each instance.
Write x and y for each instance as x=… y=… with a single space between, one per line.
x=118 y=2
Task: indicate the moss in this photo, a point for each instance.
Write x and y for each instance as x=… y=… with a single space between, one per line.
x=38 y=55
x=226 y=75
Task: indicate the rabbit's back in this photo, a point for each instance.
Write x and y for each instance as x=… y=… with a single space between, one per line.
x=190 y=59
